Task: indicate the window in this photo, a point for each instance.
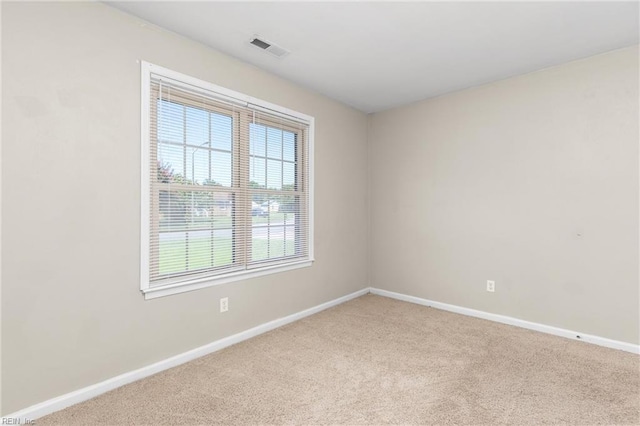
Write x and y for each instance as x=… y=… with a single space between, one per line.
x=226 y=185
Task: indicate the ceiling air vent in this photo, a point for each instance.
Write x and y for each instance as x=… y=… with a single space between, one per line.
x=269 y=47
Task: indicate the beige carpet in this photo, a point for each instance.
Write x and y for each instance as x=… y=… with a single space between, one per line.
x=375 y=360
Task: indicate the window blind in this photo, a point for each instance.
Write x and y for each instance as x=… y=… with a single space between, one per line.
x=228 y=185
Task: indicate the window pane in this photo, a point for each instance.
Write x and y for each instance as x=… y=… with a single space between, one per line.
x=289 y=240
x=274 y=143
x=289 y=146
x=257 y=209
x=274 y=174
x=197 y=165
x=267 y=242
x=170 y=121
x=221 y=210
x=222 y=248
x=263 y=211
x=200 y=250
x=257 y=139
x=192 y=210
x=172 y=252
x=273 y=210
x=211 y=248
x=209 y=210
x=197 y=126
x=289 y=208
x=221 y=131
x=170 y=163
x=174 y=210
x=289 y=176
x=260 y=243
x=221 y=169
x=257 y=177
x=276 y=241
x=274 y=230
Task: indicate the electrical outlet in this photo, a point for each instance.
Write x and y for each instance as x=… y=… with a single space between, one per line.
x=491 y=286
x=224 y=304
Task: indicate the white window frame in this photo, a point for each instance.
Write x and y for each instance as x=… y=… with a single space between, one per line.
x=151 y=292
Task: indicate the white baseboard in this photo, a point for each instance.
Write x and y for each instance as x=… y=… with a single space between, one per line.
x=574 y=335
x=80 y=395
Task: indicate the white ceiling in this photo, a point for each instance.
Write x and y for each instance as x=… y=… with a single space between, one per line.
x=375 y=56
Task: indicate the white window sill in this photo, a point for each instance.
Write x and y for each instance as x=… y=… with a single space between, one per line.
x=167 y=290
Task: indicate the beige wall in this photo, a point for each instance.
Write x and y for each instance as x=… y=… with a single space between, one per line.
x=531 y=182
x=73 y=314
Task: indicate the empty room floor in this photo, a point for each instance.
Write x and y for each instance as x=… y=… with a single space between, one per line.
x=377 y=360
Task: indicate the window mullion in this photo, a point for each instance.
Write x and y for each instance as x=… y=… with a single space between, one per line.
x=154 y=191
x=212 y=245
x=300 y=187
x=243 y=198
x=184 y=143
